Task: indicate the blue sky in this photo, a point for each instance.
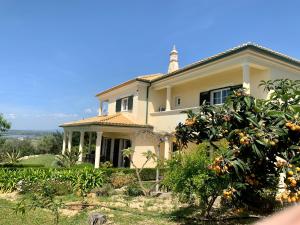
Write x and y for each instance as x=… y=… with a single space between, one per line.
x=56 y=55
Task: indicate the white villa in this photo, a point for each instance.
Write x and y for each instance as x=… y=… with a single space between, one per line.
x=155 y=101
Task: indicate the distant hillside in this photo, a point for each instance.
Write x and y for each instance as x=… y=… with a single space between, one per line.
x=20 y=134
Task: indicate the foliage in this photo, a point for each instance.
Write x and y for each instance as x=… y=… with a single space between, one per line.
x=261 y=134
x=81 y=180
x=121 y=179
x=50 y=144
x=41 y=195
x=189 y=176
x=148 y=155
x=23 y=147
x=4 y=125
x=86 y=181
x=69 y=158
x=106 y=190
x=13 y=157
x=133 y=190
x=147 y=174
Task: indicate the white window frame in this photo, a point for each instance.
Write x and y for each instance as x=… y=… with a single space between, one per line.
x=106 y=104
x=176 y=101
x=124 y=107
x=221 y=97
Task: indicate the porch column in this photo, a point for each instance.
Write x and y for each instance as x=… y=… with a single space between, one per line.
x=169 y=98
x=64 y=142
x=112 y=147
x=70 y=140
x=246 y=78
x=167 y=148
x=98 y=149
x=81 y=144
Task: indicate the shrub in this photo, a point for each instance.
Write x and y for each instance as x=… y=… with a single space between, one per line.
x=147 y=174
x=189 y=177
x=105 y=190
x=121 y=179
x=133 y=190
x=81 y=180
x=69 y=158
x=263 y=141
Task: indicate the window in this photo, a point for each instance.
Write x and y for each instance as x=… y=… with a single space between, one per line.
x=177 y=101
x=104 y=108
x=124 y=105
x=218 y=97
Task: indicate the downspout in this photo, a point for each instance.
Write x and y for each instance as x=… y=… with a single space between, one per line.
x=147 y=102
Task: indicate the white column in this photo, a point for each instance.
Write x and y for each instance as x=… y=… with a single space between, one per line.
x=246 y=78
x=112 y=147
x=167 y=148
x=64 y=142
x=98 y=149
x=169 y=98
x=70 y=134
x=81 y=144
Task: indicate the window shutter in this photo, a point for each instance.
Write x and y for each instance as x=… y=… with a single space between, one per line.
x=118 y=105
x=205 y=96
x=130 y=102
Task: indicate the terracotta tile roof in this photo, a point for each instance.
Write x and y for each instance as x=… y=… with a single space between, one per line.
x=145 y=78
x=113 y=120
x=150 y=77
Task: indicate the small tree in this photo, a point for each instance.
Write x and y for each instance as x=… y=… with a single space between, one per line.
x=4 y=125
x=259 y=132
x=157 y=138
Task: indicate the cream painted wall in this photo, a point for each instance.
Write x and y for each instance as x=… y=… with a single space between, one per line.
x=143 y=144
x=157 y=98
x=256 y=76
x=190 y=92
x=139 y=91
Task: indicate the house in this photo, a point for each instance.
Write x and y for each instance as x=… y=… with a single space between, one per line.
x=155 y=102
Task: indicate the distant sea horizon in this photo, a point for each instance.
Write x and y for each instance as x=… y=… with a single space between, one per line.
x=24 y=134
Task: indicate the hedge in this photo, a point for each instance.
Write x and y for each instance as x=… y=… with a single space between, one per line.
x=147 y=174
x=13 y=165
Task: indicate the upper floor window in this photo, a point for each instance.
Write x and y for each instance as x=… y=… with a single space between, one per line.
x=124 y=104
x=218 y=97
x=177 y=101
x=104 y=108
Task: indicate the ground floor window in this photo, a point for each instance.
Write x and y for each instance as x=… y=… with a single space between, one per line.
x=218 y=97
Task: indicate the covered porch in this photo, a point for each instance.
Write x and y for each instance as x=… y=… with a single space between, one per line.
x=101 y=139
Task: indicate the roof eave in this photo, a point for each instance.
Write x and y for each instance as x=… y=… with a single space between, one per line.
x=232 y=52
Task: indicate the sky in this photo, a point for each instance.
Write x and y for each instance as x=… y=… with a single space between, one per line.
x=55 y=55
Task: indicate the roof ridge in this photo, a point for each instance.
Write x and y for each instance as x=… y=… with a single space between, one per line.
x=231 y=51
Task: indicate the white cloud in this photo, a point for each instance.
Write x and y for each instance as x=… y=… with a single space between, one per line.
x=11 y=116
x=88 y=110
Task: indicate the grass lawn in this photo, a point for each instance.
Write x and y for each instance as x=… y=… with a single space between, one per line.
x=46 y=160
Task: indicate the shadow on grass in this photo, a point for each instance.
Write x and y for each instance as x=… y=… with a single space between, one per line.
x=191 y=216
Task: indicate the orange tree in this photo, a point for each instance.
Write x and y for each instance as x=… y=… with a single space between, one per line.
x=263 y=141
